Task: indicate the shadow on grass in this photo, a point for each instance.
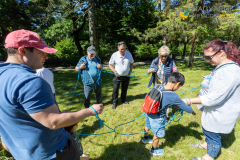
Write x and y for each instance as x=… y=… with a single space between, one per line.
x=85 y=129
x=228 y=139
x=125 y=151
x=129 y=98
x=176 y=132
x=198 y=65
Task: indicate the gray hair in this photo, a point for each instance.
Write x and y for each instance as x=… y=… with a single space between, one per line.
x=164 y=49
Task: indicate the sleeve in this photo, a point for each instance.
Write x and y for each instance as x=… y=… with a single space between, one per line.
x=112 y=60
x=79 y=63
x=152 y=64
x=222 y=86
x=174 y=67
x=34 y=95
x=131 y=59
x=178 y=102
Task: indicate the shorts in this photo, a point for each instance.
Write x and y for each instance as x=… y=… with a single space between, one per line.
x=157 y=124
x=70 y=151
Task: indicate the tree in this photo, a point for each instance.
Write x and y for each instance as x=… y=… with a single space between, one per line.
x=17 y=14
x=74 y=10
x=92 y=30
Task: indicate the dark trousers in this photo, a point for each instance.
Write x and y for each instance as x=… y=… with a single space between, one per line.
x=116 y=84
x=88 y=93
x=69 y=152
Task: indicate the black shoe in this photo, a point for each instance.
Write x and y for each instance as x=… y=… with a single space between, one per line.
x=125 y=102
x=114 y=106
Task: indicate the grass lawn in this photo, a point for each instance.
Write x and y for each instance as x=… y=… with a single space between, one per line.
x=179 y=135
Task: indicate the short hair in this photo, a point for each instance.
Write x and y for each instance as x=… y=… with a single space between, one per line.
x=176 y=77
x=121 y=43
x=164 y=49
x=13 y=51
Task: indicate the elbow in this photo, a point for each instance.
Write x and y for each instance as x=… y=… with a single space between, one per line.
x=53 y=125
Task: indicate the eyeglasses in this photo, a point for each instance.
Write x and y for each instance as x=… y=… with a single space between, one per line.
x=122 y=60
x=210 y=57
x=119 y=44
x=164 y=56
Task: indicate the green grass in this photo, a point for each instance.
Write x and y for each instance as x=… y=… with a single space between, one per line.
x=179 y=136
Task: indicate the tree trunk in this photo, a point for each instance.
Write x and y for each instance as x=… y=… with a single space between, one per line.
x=184 y=49
x=92 y=30
x=76 y=37
x=159 y=10
x=164 y=40
x=192 y=51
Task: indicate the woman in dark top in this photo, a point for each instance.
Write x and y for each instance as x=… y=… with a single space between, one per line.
x=161 y=67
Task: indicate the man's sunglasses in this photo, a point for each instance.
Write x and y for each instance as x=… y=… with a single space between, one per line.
x=119 y=44
x=210 y=57
x=164 y=56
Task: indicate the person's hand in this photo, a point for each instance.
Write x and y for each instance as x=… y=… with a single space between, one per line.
x=98 y=108
x=83 y=66
x=74 y=128
x=152 y=70
x=129 y=73
x=116 y=74
x=203 y=76
x=99 y=66
x=185 y=101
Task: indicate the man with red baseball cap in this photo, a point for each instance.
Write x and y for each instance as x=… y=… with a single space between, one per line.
x=31 y=125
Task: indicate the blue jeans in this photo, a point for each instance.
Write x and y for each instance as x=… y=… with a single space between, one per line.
x=154 y=122
x=213 y=142
x=88 y=92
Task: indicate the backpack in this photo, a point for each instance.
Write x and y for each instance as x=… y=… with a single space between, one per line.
x=152 y=102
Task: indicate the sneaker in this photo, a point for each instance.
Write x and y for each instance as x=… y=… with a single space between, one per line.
x=156 y=152
x=145 y=141
x=125 y=102
x=114 y=106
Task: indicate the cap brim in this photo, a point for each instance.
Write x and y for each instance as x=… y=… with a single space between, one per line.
x=46 y=49
x=92 y=52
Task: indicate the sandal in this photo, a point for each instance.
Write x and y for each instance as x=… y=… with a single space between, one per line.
x=197 y=145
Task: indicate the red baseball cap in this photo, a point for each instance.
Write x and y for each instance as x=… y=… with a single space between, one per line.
x=25 y=38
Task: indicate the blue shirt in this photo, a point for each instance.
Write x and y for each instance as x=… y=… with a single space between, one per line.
x=171 y=98
x=23 y=93
x=92 y=68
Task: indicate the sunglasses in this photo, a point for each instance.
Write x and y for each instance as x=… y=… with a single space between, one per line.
x=163 y=56
x=210 y=57
x=122 y=60
x=119 y=44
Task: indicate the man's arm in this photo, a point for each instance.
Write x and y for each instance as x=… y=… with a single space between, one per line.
x=82 y=66
x=53 y=119
x=131 y=67
x=4 y=146
x=130 y=71
x=114 y=71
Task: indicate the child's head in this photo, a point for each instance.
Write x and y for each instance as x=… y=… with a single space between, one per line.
x=177 y=79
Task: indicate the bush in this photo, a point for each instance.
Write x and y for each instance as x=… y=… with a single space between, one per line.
x=147 y=51
x=67 y=52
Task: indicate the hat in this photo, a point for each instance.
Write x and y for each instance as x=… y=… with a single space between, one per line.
x=25 y=38
x=91 y=50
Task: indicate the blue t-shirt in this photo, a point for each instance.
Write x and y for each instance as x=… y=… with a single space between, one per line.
x=23 y=93
x=92 y=68
x=171 y=98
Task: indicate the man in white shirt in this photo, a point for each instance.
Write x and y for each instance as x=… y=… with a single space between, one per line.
x=47 y=75
x=121 y=63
